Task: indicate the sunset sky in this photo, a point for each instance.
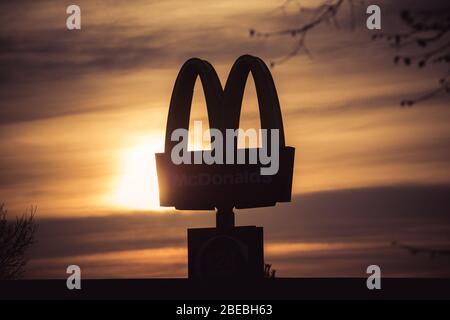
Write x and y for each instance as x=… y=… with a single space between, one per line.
x=83 y=112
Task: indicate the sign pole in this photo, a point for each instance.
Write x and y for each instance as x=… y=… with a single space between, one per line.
x=225 y=217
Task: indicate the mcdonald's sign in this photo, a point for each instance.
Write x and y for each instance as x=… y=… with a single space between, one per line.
x=243 y=183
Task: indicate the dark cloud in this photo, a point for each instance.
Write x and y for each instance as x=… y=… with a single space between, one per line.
x=59 y=54
x=412 y=214
x=385 y=213
x=75 y=236
x=40 y=69
x=34 y=59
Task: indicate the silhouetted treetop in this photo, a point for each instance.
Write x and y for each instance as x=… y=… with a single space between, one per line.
x=15 y=239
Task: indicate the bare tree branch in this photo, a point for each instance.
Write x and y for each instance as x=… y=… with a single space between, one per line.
x=427 y=42
x=418 y=250
x=15 y=239
x=325 y=13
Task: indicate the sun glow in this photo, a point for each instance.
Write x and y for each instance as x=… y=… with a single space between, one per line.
x=137 y=187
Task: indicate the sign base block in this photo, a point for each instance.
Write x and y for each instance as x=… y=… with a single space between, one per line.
x=236 y=252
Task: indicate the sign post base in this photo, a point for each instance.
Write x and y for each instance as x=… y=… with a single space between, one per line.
x=226 y=252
